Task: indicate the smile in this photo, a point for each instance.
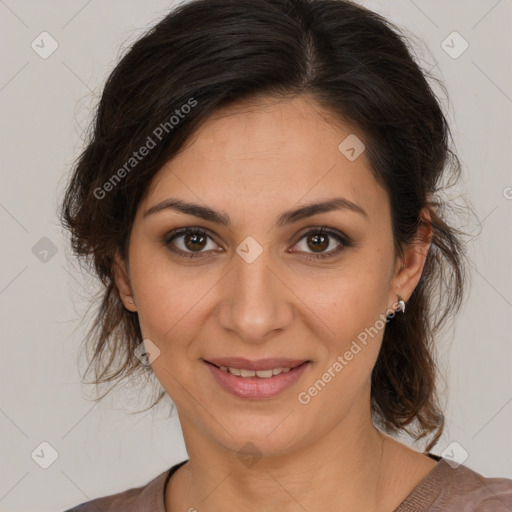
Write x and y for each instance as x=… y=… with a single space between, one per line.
x=262 y=374
x=256 y=384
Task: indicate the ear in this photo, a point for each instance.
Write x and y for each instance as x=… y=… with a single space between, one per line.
x=409 y=267
x=122 y=281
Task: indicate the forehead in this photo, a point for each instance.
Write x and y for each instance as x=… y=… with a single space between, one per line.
x=272 y=153
x=268 y=128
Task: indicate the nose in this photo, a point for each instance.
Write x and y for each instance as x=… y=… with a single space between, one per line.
x=256 y=301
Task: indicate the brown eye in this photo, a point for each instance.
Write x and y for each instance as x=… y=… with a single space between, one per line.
x=194 y=241
x=316 y=242
x=187 y=241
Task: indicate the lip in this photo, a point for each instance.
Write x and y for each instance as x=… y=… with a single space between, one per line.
x=257 y=364
x=255 y=388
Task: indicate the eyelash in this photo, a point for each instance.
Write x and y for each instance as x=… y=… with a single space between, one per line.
x=344 y=242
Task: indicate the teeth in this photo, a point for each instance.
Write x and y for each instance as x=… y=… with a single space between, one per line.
x=262 y=374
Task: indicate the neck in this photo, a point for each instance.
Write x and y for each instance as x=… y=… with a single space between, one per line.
x=341 y=470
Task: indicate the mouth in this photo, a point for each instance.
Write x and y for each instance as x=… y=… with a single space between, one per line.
x=256 y=379
x=261 y=374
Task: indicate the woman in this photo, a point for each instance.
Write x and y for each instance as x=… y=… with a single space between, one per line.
x=260 y=198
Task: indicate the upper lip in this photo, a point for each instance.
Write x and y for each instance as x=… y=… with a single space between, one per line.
x=257 y=364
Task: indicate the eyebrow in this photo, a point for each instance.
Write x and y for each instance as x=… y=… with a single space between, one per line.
x=288 y=217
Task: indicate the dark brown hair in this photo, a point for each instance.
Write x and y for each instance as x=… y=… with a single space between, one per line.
x=206 y=54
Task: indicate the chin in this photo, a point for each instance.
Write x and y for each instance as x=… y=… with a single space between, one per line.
x=269 y=436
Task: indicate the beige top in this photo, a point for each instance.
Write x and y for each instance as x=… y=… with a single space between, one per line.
x=444 y=489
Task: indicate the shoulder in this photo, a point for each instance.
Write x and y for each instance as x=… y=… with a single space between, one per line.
x=145 y=497
x=457 y=488
x=462 y=489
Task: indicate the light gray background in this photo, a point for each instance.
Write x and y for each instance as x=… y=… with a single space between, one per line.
x=46 y=105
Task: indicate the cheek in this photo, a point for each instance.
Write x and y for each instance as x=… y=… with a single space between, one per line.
x=349 y=306
x=348 y=349
x=171 y=301
x=172 y=310
x=347 y=299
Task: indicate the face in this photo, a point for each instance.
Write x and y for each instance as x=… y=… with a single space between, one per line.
x=251 y=282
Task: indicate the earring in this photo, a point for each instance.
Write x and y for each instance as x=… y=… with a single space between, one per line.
x=401 y=304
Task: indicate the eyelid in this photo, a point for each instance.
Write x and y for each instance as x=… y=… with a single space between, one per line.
x=343 y=240
x=324 y=230
x=169 y=237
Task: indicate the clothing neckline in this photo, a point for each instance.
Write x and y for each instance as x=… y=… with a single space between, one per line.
x=421 y=495
x=424 y=493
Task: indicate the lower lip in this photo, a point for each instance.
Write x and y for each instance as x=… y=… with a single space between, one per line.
x=253 y=387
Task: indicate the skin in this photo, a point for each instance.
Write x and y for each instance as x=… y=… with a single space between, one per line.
x=253 y=161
